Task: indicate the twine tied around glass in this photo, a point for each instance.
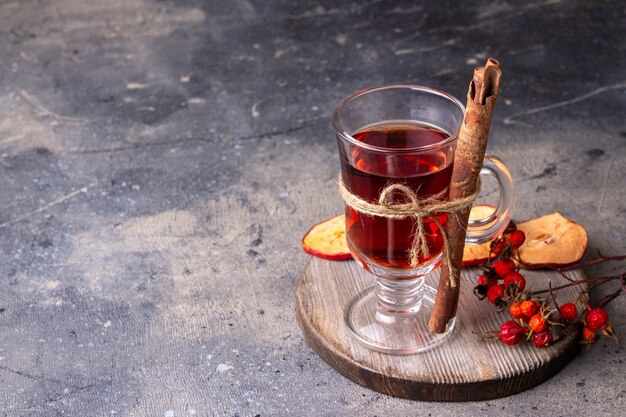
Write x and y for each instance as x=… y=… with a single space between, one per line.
x=416 y=208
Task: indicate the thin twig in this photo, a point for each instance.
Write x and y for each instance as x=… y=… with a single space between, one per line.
x=530 y=267
x=602 y=282
x=596 y=281
x=556 y=304
x=573 y=266
x=594 y=261
x=610 y=298
x=613 y=296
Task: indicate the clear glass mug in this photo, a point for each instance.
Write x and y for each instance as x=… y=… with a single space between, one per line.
x=403 y=134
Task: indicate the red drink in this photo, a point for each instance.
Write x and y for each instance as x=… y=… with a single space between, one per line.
x=365 y=173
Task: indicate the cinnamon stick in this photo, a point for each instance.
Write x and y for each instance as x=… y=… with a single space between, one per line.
x=468 y=160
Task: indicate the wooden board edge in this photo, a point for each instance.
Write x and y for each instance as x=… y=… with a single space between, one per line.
x=423 y=391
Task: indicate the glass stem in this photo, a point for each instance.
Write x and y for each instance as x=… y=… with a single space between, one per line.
x=399 y=296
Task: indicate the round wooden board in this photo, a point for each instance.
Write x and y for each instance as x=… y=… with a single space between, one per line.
x=464 y=368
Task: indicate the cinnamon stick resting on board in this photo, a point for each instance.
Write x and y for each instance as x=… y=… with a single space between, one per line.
x=468 y=160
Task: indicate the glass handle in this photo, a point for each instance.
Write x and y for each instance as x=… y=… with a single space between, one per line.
x=492 y=226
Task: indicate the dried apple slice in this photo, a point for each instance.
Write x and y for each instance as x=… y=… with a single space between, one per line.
x=552 y=240
x=476 y=254
x=328 y=240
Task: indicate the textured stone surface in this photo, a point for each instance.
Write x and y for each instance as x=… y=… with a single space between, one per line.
x=159 y=162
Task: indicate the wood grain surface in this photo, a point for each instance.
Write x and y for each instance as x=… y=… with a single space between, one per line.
x=464 y=368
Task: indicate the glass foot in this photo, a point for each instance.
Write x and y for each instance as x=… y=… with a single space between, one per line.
x=397 y=332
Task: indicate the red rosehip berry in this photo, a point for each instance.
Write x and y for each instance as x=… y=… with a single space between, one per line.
x=597 y=318
x=529 y=307
x=516 y=311
x=512 y=333
x=495 y=293
x=537 y=323
x=588 y=334
x=515 y=278
x=498 y=246
x=568 y=312
x=483 y=284
x=517 y=239
x=482 y=280
x=502 y=268
x=542 y=339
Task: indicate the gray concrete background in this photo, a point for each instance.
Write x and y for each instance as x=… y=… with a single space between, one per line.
x=160 y=161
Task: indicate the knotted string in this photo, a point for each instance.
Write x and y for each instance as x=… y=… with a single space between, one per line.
x=416 y=208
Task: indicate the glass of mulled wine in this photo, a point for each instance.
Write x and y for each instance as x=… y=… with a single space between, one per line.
x=403 y=134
